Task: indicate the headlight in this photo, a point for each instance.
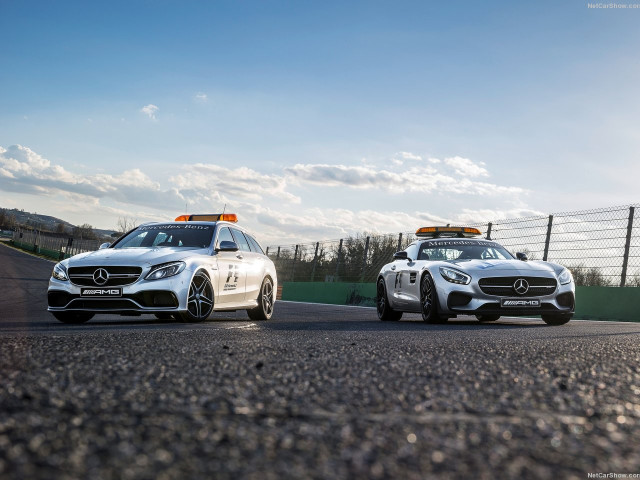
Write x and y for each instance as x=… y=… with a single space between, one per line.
x=454 y=276
x=60 y=272
x=565 y=277
x=165 y=270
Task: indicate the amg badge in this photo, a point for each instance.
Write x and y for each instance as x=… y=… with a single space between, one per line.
x=518 y=302
x=101 y=292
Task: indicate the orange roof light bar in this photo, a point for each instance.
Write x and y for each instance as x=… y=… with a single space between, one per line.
x=208 y=217
x=448 y=231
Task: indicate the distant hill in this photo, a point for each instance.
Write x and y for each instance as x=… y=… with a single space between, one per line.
x=45 y=222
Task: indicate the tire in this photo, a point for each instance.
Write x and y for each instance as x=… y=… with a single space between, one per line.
x=73 y=317
x=163 y=315
x=555 y=320
x=385 y=312
x=429 y=301
x=265 y=300
x=199 y=300
x=487 y=318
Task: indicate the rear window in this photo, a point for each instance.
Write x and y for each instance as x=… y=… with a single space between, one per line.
x=255 y=246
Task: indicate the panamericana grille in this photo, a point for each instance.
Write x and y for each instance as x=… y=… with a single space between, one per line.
x=117 y=276
x=504 y=286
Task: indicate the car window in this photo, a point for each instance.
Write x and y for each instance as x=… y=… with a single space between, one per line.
x=167 y=235
x=241 y=240
x=224 y=235
x=428 y=251
x=255 y=246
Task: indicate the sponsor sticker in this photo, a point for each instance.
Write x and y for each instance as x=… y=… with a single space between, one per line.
x=520 y=302
x=101 y=292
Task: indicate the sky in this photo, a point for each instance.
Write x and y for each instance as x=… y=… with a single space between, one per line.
x=317 y=120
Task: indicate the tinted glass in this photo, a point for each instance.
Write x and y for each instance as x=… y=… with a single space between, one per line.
x=224 y=235
x=168 y=235
x=463 y=250
x=241 y=240
x=255 y=246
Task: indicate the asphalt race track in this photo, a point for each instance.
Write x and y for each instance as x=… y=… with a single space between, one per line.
x=317 y=392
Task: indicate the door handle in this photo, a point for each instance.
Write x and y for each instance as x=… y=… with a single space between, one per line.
x=393 y=267
x=239 y=256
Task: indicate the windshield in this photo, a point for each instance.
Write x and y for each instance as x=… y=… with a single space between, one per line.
x=463 y=250
x=168 y=235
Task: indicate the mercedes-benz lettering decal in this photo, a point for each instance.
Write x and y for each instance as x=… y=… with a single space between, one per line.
x=521 y=286
x=100 y=276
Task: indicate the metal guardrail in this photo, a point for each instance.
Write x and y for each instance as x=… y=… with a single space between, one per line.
x=600 y=247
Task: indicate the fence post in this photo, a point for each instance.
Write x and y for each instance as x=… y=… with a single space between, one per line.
x=315 y=259
x=338 y=261
x=267 y=252
x=278 y=255
x=293 y=267
x=399 y=243
x=489 y=230
x=627 y=246
x=546 y=243
x=364 y=259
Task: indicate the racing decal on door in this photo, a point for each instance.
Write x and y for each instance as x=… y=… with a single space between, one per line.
x=232 y=278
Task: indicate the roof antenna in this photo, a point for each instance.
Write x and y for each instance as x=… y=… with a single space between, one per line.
x=224 y=209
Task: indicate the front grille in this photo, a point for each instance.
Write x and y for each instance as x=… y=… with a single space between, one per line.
x=118 y=276
x=504 y=286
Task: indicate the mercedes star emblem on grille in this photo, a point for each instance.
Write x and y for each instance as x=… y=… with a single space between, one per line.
x=521 y=286
x=100 y=276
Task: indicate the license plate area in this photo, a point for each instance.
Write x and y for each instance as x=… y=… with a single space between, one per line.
x=520 y=303
x=107 y=292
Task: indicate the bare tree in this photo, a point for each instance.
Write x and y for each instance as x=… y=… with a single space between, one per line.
x=126 y=223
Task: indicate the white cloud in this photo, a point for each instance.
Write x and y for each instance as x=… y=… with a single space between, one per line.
x=150 y=111
x=201 y=97
x=423 y=179
x=264 y=201
x=466 y=168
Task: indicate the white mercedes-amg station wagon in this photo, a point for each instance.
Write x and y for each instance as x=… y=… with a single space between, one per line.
x=447 y=272
x=187 y=269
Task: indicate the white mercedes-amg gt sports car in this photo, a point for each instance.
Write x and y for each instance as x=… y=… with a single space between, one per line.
x=447 y=272
x=186 y=269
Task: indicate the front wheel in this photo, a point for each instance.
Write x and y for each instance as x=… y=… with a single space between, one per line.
x=200 y=299
x=556 y=319
x=265 y=300
x=73 y=317
x=429 y=301
x=385 y=312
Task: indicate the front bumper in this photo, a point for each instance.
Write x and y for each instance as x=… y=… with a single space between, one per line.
x=471 y=300
x=142 y=296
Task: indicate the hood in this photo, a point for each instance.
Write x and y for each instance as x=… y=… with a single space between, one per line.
x=134 y=256
x=507 y=267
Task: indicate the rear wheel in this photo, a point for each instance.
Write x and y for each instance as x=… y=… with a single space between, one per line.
x=73 y=317
x=487 y=318
x=200 y=299
x=385 y=312
x=429 y=301
x=560 y=319
x=265 y=300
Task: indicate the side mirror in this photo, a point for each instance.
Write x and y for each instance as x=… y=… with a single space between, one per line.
x=400 y=256
x=227 y=246
x=522 y=256
x=104 y=245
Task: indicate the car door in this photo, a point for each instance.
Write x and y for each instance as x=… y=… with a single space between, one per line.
x=406 y=292
x=232 y=272
x=252 y=264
